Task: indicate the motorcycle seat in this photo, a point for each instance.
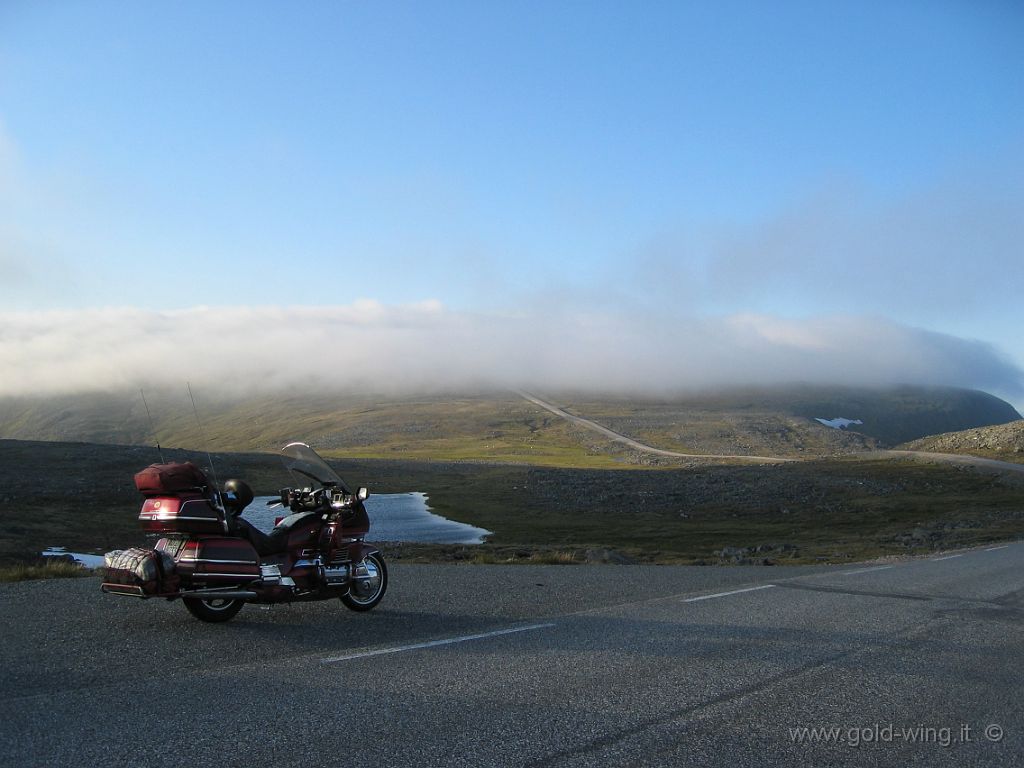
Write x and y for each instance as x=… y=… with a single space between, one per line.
x=276 y=541
x=293 y=520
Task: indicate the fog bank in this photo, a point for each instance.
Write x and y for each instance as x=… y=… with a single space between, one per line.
x=374 y=347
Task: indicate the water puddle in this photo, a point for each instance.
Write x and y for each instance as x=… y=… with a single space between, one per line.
x=87 y=561
x=407 y=517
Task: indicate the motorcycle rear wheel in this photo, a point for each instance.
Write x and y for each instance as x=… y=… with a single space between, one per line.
x=366 y=599
x=215 y=610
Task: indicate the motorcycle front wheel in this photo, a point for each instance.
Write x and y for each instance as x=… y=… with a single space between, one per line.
x=364 y=594
x=214 y=610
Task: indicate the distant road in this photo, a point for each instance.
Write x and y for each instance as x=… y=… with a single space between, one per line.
x=956 y=458
x=620 y=438
x=948 y=458
x=904 y=663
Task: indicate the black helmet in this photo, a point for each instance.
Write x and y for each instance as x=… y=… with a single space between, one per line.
x=237 y=495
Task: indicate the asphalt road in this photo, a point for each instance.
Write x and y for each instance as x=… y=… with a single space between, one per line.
x=535 y=666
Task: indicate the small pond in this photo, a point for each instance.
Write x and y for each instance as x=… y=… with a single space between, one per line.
x=393 y=517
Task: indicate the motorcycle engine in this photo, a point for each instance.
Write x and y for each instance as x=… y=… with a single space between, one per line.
x=336 y=575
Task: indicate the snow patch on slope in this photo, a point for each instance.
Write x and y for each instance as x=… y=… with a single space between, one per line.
x=839 y=423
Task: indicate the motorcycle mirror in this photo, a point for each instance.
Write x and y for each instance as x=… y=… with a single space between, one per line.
x=363 y=494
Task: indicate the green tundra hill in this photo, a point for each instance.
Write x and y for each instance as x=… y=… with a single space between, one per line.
x=503 y=427
x=758 y=419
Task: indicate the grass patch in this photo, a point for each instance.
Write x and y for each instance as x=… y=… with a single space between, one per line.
x=53 y=569
x=561 y=557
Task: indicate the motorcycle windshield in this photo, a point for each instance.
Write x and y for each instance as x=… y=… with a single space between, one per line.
x=300 y=459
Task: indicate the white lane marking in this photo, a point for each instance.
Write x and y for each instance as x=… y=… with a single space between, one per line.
x=726 y=594
x=947 y=557
x=865 y=570
x=993 y=549
x=434 y=643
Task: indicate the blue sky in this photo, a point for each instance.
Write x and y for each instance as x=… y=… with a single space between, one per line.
x=793 y=161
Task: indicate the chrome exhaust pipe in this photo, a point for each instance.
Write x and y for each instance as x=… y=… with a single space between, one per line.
x=223 y=594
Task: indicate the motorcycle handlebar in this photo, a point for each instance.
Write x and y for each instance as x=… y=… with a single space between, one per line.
x=302 y=500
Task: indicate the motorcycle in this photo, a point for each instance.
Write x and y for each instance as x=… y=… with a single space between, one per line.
x=215 y=561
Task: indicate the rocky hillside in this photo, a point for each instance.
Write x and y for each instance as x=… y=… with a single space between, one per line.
x=1002 y=441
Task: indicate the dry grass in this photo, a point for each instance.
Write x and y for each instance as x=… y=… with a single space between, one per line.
x=53 y=568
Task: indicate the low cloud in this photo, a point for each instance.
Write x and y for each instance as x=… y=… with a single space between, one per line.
x=368 y=346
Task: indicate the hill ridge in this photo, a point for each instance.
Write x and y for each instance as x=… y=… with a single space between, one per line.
x=766 y=422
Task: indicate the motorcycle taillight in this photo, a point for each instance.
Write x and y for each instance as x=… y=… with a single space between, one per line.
x=165 y=506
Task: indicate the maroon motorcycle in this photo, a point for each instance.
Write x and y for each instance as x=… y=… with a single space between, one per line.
x=215 y=561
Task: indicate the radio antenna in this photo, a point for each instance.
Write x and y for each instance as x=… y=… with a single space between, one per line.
x=202 y=435
x=152 y=428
